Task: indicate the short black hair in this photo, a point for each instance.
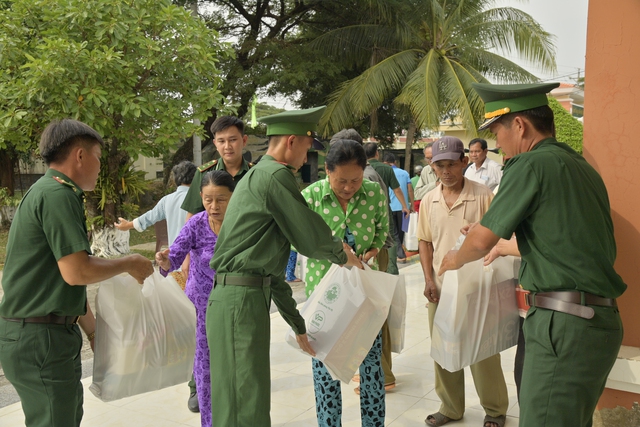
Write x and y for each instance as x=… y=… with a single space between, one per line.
x=218 y=178
x=183 y=173
x=351 y=134
x=370 y=149
x=60 y=136
x=482 y=142
x=389 y=157
x=344 y=151
x=224 y=122
x=540 y=117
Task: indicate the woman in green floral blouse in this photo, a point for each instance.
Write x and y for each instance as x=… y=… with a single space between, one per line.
x=356 y=211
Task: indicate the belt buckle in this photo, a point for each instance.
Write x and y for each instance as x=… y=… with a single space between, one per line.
x=529 y=299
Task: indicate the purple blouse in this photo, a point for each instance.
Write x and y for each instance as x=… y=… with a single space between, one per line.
x=195 y=238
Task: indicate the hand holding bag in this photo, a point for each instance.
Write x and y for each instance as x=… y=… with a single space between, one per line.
x=344 y=315
x=477 y=315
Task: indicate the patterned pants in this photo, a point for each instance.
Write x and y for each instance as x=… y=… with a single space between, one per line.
x=372 y=394
x=291 y=266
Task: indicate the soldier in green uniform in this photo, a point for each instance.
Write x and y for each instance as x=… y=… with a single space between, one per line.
x=229 y=139
x=266 y=215
x=48 y=260
x=558 y=206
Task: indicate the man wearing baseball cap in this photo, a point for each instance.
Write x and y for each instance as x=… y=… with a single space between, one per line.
x=265 y=217
x=558 y=207
x=454 y=203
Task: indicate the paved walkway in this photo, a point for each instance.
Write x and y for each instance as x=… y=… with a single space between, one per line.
x=292 y=395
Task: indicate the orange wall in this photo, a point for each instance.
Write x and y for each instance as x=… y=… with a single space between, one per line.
x=611 y=134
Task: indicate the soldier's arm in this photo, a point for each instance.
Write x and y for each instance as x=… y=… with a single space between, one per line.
x=81 y=269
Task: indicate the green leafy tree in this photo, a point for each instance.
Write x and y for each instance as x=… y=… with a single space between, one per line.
x=137 y=71
x=568 y=128
x=424 y=54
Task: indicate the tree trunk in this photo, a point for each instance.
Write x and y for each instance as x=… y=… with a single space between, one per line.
x=7 y=171
x=407 y=150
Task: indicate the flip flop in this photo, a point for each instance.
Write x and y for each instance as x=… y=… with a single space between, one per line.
x=499 y=421
x=438 y=420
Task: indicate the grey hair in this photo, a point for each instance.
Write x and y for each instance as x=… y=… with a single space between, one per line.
x=183 y=173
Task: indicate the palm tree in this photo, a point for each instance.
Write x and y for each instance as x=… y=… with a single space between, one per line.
x=424 y=54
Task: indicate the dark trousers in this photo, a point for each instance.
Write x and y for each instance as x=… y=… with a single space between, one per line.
x=42 y=361
x=566 y=365
x=398 y=233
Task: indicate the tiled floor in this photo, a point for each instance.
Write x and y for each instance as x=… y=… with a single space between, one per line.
x=292 y=398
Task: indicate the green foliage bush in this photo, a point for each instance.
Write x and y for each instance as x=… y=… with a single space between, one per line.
x=568 y=128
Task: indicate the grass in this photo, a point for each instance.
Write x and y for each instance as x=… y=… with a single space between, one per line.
x=135 y=238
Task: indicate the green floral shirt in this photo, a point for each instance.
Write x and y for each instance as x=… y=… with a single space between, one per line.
x=367 y=218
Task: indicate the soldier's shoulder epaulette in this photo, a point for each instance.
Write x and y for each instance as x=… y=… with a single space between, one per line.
x=251 y=164
x=63 y=182
x=207 y=166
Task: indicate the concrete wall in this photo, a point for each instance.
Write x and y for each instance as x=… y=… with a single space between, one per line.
x=611 y=130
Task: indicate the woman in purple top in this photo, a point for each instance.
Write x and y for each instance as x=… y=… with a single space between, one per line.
x=198 y=238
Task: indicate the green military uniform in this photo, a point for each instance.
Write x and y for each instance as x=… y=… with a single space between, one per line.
x=193 y=201
x=390 y=255
x=42 y=360
x=557 y=204
x=266 y=215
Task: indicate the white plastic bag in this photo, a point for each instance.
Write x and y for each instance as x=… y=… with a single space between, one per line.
x=477 y=315
x=410 y=237
x=344 y=316
x=145 y=336
x=397 y=314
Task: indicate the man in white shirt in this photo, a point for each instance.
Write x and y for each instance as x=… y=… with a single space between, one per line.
x=482 y=169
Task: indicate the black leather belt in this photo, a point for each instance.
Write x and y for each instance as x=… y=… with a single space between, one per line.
x=226 y=279
x=571 y=302
x=48 y=319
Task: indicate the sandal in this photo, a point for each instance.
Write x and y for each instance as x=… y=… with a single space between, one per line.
x=497 y=421
x=437 y=419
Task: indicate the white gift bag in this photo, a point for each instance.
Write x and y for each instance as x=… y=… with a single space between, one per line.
x=397 y=314
x=477 y=315
x=344 y=316
x=145 y=336
x=410 y=237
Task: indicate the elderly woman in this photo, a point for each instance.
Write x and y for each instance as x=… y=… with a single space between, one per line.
x=356 y=210
x=198 y=238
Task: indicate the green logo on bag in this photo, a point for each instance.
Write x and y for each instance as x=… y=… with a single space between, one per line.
x=315 y=322
x=332 y=294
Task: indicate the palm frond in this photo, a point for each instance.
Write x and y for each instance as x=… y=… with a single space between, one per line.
x=492 y=65
x=355 y=98
x=357 y=42
x=462 y=98
x=512 y=31
x=421 y=94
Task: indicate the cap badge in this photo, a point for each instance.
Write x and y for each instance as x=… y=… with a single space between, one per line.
x=443 y=145
x=308 y=133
